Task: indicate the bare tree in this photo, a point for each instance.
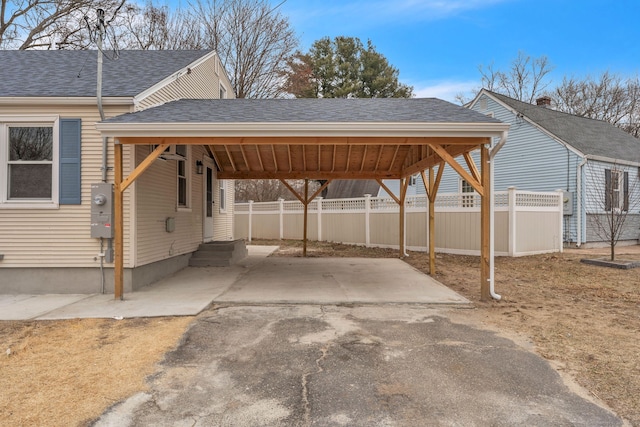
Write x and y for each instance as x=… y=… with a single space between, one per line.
x=269 y=190
x=613 y=202
x=253 y=40
x=525 y=80
x=609 y=98
x=158 y=28
x=49 y=24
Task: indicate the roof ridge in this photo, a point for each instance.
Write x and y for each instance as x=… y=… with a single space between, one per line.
x=548 y=110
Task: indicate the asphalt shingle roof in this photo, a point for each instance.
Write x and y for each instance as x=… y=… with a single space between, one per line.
x=62 y=73
x=429 y=110
x=589 y=136
x=350 y=188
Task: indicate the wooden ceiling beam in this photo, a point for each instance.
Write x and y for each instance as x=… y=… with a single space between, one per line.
x=233 y=164
x=333 y=161
x=380 y=150
x=393 y=159
x=259 y=158
x=275 y=158
x=364 y=158
x=244 y=157
x=216 y=159
x=307 y=174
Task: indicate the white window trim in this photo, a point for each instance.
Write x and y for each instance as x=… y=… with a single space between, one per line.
x=6 y=121
x=222 y=90
x=222 y=203
x=188 y=170
x=619 y=190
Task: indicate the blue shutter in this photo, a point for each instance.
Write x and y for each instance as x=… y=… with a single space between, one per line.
x=626 y=192
x=69 y=179
x=608 y=190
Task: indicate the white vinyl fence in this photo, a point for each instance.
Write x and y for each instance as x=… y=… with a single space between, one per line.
x=526 y=222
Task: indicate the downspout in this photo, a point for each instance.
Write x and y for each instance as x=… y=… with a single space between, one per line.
x=579 y=202
x=492 y=154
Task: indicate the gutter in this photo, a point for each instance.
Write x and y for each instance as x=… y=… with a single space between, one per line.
x=116 y=128
x=492 y=154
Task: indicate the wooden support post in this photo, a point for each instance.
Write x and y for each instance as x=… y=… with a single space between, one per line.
x=118 y=224
x=404 y=183
x=432 y=223
x=306 y=211
x=485 y=225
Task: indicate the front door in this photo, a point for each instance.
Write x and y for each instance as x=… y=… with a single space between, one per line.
x=207 y=215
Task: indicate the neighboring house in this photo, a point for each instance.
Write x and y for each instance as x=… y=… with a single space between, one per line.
x=51 y=157
x=594 y=162
x=351 y=188
x=348 y=189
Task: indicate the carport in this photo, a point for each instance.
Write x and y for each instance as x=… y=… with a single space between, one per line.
x=321 y=139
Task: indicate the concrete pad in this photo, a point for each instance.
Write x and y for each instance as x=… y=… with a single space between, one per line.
x=186 y=293
x=338 y=280
x=256 y=279
x=26 y=307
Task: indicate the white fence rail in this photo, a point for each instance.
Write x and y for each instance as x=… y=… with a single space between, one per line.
x=526 y=222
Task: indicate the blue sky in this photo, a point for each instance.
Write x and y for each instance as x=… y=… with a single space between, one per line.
x=438 y=44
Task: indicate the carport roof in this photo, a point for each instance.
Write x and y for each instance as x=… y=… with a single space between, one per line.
x=414 y=110
x=312 y=138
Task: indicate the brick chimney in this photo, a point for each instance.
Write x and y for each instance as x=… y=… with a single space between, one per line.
x=544 y=101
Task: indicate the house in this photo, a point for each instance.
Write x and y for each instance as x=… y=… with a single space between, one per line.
x=55 y=197
x=596 y=164
x=348 y=189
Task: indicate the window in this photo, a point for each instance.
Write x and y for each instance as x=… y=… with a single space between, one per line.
x=183 y=172
x=468 y=194
x=616 y=190
x=39 y=161
x=223 y=196
x=30 y=163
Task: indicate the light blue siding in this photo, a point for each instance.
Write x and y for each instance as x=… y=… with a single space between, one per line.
x=530 y=160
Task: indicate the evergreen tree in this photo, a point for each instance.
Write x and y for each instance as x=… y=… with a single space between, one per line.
x=343 y=68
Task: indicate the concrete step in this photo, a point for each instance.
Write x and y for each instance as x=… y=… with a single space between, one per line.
x=218 y=254
x=217 y=246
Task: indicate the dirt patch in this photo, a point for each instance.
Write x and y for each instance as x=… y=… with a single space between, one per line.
x=65 y=373
x=584 y=318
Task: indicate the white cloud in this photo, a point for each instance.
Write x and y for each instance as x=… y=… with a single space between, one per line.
x=445 y=89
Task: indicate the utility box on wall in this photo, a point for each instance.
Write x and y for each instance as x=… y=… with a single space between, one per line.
x=102 y=210
x=567 y=202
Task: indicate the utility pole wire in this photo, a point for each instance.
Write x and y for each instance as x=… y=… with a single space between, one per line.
x=279 y=4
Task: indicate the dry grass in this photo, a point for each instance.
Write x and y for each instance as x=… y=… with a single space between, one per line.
x=583 y=316
x=64 y=373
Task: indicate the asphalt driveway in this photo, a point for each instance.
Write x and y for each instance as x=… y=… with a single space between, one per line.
x=350 y=365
